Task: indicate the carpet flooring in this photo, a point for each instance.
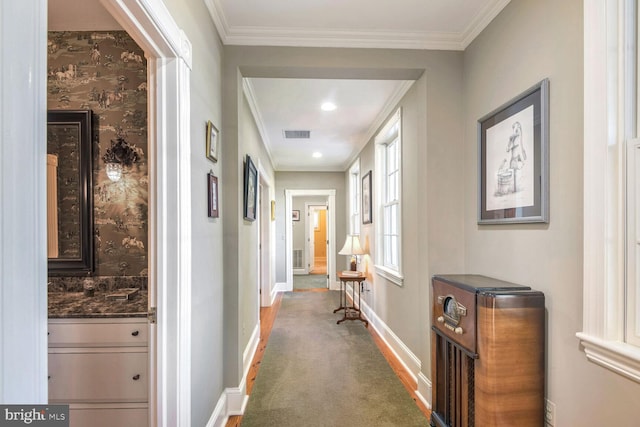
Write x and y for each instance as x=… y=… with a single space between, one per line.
x=309 y=281
x=316 y=373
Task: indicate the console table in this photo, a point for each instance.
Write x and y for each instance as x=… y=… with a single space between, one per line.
x=350 y=312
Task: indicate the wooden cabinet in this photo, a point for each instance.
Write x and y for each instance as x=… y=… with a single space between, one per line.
x=487 y=351
x=100 y=367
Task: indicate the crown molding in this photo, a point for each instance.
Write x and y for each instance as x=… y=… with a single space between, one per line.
x=303 y=37
x=249 y=93
x=482 y=21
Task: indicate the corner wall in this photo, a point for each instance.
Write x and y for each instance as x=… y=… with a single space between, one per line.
x=528 y=41
x=437 y=139
x=207 y=322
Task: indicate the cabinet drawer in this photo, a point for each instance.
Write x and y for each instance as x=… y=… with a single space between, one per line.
x=98 y=376
x=136 y=417
x=98 y=334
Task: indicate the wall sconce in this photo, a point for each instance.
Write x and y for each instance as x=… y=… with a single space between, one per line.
x=119 y=155
x=352 y=247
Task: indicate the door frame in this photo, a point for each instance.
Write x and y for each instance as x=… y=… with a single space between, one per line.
x=311 y=208
x=331 y=231
x=169 y=63
x=266 y=241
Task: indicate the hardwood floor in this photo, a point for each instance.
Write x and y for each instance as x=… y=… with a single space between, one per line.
x=319 y=266
x=267 y=318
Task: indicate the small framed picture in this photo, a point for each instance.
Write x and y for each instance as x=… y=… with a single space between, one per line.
x=295 y=215
x=213 y=137
x=250 y=190
x=273 y=210
x=366 y=199
x=513 y=160
x=213 y=195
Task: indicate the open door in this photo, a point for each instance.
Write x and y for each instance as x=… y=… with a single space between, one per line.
x=317 y=239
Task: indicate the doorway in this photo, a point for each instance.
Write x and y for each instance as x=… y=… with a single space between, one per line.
x=168 y=55
x=326 y=199
x=317 y=239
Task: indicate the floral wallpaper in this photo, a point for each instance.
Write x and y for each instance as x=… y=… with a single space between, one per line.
x=106 y=72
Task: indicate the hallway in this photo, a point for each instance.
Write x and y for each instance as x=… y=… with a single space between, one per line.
x=316 y=312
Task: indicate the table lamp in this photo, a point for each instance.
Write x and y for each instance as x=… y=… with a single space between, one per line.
x=352 y=247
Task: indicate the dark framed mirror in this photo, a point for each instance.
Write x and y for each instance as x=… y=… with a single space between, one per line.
x=69 y=192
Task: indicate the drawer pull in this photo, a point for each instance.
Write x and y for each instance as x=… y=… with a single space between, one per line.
x=135 y=333
x=458 y=330
x=440 y=319
x=136 y=377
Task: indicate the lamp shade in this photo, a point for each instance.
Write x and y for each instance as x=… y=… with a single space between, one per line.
x=351 y=246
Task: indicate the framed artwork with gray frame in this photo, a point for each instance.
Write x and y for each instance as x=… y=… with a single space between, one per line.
x=513 y=160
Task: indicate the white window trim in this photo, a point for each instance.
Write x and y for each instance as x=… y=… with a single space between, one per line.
x=394 y=276
x=353 y=170
x=604 y=190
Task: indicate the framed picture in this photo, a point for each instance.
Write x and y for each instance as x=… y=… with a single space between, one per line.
x=213 y=137
x=250 y=190
x=295 y=215
x=366 y=199
x=273 y=210
x=213 y=195
x=513 y=160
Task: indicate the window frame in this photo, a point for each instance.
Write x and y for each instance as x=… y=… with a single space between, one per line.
x=355 y=212
x=391 y=133
x=610 y=117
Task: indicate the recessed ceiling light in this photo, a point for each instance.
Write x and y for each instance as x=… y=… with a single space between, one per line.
x=328 y=106
x=317 y=154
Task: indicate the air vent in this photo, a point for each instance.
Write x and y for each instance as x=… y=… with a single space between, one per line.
x=297 y=134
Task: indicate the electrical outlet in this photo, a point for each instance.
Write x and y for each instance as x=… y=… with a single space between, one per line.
x=550 y=413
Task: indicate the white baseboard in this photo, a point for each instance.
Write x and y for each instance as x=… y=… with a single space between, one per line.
x=233 y=401
x=237 y=399
x=300 y=271
x=424 y=391
x=250 y=351
x=279 y=287
x=406 y=357
x=218 y=417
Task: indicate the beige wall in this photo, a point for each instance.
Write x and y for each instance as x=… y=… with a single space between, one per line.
x=307 y=181
x=433 y=213
x=432 y=208
x=528 y=41
x=207 y=360
x=248 y=281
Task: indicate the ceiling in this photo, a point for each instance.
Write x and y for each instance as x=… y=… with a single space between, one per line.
x=294 y=104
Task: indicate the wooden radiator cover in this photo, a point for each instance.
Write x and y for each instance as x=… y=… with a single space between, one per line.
x=487 y=348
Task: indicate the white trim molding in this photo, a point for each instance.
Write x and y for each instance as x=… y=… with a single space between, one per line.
x=303 y=37
x=607 y=124
x=331 y=256
x=169 y=66
x=23 y=228
x=616 y=356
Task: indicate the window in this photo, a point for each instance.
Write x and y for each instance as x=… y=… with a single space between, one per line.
x=389 y=200
x=354 y=198
x=611 y=329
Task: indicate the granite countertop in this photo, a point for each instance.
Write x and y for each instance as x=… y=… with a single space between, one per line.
x=77 y=305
